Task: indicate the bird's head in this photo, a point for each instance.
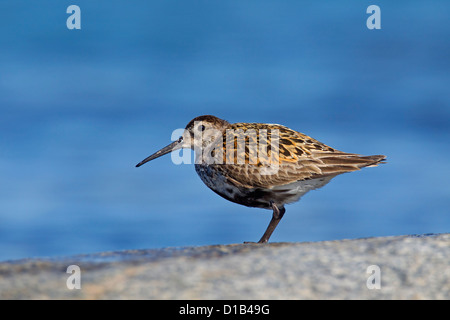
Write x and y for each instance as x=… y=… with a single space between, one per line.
x=199 y=133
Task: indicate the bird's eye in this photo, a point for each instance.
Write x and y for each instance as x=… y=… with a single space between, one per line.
x=180 y=139
x=201 y=128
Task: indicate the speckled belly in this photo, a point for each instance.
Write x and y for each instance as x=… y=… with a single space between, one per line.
x=256 y=197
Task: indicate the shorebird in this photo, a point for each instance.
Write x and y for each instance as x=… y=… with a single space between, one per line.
x=261 y=165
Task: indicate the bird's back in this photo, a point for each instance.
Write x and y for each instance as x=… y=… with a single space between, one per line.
x=260 y=158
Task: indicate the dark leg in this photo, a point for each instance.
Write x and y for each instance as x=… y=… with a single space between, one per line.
x=276 y=217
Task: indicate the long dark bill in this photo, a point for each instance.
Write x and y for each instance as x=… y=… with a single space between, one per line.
x=163 y=151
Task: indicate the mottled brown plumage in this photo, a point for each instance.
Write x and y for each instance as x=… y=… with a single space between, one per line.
x=262 y=165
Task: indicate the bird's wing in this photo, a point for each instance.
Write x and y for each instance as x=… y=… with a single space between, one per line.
x=268 y=155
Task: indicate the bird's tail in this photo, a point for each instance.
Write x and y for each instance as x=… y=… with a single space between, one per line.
x=341 y=162
x=373 y=161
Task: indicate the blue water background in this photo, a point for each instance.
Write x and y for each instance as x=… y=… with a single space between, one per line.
x=79 y=108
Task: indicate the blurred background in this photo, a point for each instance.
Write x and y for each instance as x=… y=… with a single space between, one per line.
x=79 y=109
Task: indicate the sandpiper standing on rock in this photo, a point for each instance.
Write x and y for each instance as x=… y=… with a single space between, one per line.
x=262 y=165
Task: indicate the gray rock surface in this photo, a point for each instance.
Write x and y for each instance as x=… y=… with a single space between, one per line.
x=411 y=267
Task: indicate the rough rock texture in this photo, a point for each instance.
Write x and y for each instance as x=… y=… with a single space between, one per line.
x=411 y=267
